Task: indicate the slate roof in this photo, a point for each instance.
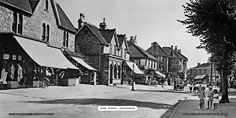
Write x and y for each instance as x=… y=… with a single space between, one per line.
x=138 y=52
x=64 y=20
x=108 y=34
x=204 y=65
x=182 y=56
x=168 y=52
x=121 y=39
x=22 y=5
x=159 y=50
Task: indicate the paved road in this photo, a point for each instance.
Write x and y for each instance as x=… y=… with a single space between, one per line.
x=83 y=101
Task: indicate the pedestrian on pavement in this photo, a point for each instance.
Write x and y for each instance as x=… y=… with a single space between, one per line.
x=201 y=96
x=190 y=88
x=209 y=97
x=216 y=100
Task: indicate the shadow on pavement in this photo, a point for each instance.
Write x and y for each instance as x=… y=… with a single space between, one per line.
x=167 y=90
x=105 y=102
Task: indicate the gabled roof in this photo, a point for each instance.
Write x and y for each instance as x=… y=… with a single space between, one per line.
x=22 y=5
x=33 y=4
x=168 y=52
x=157 y=51
x=138 y=52
x=122 y=40
x=182 y=56
x=64 y=20
x=95 y=31
x=108 y=34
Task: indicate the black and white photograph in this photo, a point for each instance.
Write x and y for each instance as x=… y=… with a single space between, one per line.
x=117 y=59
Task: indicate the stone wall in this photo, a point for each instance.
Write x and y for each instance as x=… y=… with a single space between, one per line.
x=6 y=18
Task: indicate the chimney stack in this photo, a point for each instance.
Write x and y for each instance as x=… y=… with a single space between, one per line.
x=103 y=25
x=80 y=21
x=176 y=48
x=179 y=50
x=198 y=64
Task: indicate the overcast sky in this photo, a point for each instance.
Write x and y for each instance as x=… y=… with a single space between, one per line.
x=150 y=20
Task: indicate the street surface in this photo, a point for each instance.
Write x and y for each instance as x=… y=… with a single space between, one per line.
x=83 y=101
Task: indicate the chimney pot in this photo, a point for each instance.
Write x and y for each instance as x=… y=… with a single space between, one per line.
x=103 y=25
x=198 y=64
x=179 y=50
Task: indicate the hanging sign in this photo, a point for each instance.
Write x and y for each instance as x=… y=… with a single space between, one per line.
x=6 y=56
x=13 y=57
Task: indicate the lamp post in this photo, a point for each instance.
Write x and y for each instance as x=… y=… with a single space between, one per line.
x=133 y=79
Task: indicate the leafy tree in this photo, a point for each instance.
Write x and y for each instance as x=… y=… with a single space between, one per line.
x=213 y=21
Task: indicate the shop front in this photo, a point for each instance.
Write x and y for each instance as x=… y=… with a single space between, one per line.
x=130 y=71
x=26 y=62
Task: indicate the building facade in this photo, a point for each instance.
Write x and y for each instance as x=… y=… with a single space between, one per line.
x=145 y=61
x=39 y=23
x=106 y=51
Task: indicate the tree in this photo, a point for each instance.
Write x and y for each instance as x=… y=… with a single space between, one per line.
x=213 y=21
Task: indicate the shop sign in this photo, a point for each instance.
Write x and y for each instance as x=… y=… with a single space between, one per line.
x=6 y=56
x=13 y=57
x=19 y=57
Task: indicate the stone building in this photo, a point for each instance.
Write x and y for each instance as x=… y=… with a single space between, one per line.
x=106 y=51
x=33 y=34
x=202 y=73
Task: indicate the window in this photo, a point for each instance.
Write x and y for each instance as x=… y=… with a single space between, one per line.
x=65 y=39
x=46 y=5
x=44 y=32
x=121 y=52
x=125 y=53
x=110 y=48
x=48 y=30
x=20 y=24
x=115 y=48
x=14 y=25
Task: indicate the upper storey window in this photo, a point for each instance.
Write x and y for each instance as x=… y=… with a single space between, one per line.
x=17 y=24
x=46 y=5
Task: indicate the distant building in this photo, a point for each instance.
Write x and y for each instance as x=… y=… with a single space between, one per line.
x=145 y=61
x=202 y=73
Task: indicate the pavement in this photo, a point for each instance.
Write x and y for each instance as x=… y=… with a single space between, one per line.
x=189 y=108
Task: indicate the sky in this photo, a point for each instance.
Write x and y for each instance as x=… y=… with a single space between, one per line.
x=150 y=20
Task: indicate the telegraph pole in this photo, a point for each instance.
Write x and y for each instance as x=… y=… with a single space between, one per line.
x=133 y=79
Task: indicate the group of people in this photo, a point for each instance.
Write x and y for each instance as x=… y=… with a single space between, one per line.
x=208 y=96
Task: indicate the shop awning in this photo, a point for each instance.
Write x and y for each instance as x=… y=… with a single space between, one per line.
x=200 y=76
x=134 y=67
x=160 y=74
x=83 y=63
x=44 y=55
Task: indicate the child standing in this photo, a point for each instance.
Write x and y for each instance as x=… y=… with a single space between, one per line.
x=201 y=95
x=215 y=99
